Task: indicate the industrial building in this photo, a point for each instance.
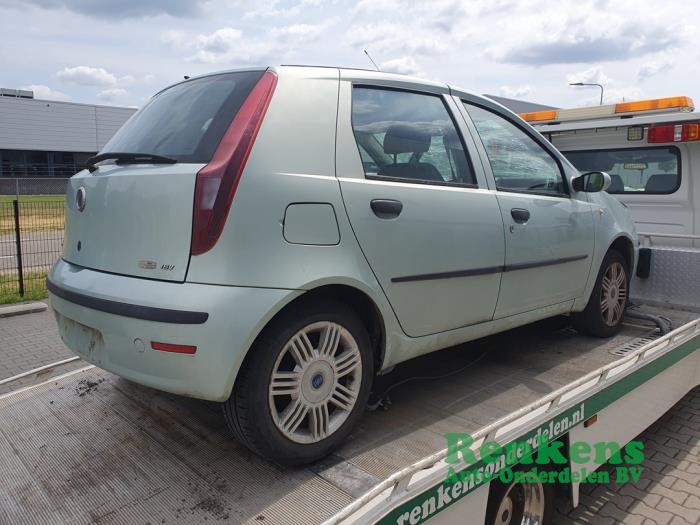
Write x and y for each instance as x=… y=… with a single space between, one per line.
x=47 y=138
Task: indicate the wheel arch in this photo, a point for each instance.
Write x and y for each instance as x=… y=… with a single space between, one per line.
x=623 y=244
x=360 y=302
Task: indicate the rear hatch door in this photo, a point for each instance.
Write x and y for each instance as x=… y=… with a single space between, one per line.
x=131 y=212
x=136 y=220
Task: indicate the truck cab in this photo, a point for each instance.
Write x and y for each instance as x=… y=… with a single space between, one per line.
x=650 y=149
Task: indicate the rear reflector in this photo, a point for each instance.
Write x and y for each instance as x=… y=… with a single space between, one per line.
x=673 y=133
x=178 y=349
x=217 y=181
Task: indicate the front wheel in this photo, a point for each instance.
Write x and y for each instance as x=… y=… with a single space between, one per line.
x=605 y=310
x=304 y=385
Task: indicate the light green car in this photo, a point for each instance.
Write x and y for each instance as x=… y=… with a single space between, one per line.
x=274 y=238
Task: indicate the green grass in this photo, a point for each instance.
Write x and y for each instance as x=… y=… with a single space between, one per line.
x=34 y=288
x=37 y=213
x=32 y=198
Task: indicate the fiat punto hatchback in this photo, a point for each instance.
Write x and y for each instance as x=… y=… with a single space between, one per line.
x=274 y=238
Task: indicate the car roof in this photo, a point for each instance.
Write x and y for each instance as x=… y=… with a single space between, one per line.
x=359 y=75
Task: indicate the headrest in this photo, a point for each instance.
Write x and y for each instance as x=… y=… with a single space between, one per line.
x=616 y=184
x=661 y=183
x=405 y=138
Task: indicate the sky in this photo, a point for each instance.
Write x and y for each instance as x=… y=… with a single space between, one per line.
x=122 y=52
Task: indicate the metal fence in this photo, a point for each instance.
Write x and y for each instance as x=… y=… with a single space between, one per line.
x=31 y=240
x=33 y=186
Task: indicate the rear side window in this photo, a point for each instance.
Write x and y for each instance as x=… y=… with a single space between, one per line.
x=517 y=161
x=639 y=170
x=186 y=121
x=408 y=137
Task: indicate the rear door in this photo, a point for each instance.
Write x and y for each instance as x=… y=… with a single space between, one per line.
x=418 y=205
x=135 y=218
x=549 y=233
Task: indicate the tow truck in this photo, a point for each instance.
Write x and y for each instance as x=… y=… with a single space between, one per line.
x=651 y=149
x=86 y=446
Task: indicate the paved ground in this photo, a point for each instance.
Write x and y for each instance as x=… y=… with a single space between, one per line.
x=27 y=342
x=667 y=494
x=669 y=490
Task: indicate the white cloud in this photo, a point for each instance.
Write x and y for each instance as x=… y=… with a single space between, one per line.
x=391 y=38
x=111 y=93
x=592 y=75
x=124 y=8
x=515 y=91
x=402 y=65
x=229 y=45
x=299 y=33
x=653 y=67
x=587 y=31
x=273 y=9
x=87 y=76
x=46 y=93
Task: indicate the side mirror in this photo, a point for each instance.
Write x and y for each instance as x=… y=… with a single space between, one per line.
x=592 y=182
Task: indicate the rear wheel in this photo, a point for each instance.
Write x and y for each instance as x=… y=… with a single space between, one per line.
x=304 y=385
x=519 y=503
x=605 y=310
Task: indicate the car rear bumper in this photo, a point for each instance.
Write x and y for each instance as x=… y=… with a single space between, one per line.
x=111 y=320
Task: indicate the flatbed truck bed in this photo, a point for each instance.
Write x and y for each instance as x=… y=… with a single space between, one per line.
x=90 y=447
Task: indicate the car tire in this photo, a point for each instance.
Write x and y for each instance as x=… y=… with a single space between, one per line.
x=605 y=311
x=520 y=503
x=319 y=392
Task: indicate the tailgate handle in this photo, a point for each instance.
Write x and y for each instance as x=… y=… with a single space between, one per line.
x=520 y=215
x=386 y=208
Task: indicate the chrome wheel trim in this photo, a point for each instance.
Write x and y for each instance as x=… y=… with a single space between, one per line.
x=613 y=294
x=315 y=382
x=522 y=504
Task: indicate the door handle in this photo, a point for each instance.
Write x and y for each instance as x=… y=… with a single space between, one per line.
x=520 y=215
x=386 y=208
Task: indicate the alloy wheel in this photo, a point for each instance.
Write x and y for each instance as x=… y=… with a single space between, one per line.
x=315 y=382
x=613 y=294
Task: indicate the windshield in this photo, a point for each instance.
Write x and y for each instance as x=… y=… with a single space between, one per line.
x=187 y=121
x=638 y=170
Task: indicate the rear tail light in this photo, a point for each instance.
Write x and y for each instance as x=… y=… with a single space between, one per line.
x=177 y=349
x=217 y=181
x=673 y=133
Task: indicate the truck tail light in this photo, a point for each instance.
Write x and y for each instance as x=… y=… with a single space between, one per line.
x=673 y=133
x=217 y=182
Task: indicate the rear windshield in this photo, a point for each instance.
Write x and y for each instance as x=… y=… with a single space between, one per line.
x=639 y=170
x=186 y=121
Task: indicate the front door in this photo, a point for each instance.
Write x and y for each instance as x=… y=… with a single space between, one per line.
x=549 y=233
x=433 y=237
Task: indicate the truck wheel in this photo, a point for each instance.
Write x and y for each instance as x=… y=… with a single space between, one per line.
x=605 y=310
x=304 y=385
x=520 y=503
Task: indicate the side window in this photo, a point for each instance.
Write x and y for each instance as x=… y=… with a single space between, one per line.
x=408 y=137
x=633 y=171
x=517 y=161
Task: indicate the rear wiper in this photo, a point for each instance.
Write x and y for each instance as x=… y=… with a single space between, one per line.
x=128 y=158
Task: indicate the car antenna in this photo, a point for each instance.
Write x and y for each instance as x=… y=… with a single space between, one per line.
x=372 y=60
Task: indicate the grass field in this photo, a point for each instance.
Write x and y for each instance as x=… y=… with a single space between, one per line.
x=34 y=288
x=37 y=213
x=32 y=198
